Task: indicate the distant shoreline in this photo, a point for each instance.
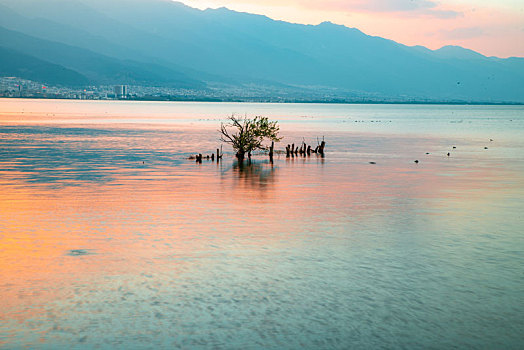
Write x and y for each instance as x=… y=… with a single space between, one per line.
x=290 y=101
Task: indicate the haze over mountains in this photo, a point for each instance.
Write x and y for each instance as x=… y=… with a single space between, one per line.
x=164 y=43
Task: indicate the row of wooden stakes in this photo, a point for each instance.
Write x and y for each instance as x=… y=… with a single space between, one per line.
x=304 y=149
x=291 y=151
x=199 y=157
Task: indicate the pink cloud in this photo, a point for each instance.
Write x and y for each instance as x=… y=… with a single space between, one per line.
x=425 y=8
x=422 y=8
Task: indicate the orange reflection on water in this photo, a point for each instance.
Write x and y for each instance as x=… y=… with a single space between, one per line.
x=69 y=226
x=131 y=221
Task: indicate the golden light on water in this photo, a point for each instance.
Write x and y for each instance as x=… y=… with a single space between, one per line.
x=108 y=229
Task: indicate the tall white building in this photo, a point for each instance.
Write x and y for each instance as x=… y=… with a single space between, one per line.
x=120 y=91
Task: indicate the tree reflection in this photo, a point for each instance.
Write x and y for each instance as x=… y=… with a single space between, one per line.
x=254 y=175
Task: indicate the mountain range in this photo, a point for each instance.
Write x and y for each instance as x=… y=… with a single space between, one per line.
x=166 y=43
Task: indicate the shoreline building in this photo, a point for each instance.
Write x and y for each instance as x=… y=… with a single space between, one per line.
x=121 y=91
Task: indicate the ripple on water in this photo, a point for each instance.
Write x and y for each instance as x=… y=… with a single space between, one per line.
x=80 y=252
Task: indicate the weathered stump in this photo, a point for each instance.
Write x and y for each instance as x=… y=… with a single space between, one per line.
x=271 y=151
x=321 y=148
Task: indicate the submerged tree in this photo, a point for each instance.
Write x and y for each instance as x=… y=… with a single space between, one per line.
x=247 y=135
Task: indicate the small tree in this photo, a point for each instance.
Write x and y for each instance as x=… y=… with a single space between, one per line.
x=249 y=134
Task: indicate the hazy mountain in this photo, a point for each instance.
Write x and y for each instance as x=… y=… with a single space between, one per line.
x=77 y=25
x=46 y=29
x=457 y=52
x=16 y=64
x=97 y=68
x=237 y=48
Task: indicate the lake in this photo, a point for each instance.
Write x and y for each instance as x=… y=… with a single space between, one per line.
x=110 y=237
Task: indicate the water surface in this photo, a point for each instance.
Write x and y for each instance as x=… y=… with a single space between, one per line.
x=111 y=238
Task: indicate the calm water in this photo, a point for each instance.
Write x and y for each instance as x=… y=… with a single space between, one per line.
x=111 y=238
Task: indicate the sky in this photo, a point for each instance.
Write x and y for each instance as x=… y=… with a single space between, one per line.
x=493 y=28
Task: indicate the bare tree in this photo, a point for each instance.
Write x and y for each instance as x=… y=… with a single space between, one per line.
x=247 y=135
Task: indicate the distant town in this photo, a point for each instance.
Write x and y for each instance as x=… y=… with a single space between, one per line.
x=14 y=87
x=21 y=88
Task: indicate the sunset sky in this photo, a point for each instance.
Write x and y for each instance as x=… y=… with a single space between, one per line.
x=493 y=28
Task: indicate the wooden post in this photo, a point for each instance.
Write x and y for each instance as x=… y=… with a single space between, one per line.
x=287 y=151
x=321 y=148
x=308 y=150
x=292 y=149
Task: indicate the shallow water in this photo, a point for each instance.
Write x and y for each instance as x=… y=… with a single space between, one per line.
x=111 y=238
